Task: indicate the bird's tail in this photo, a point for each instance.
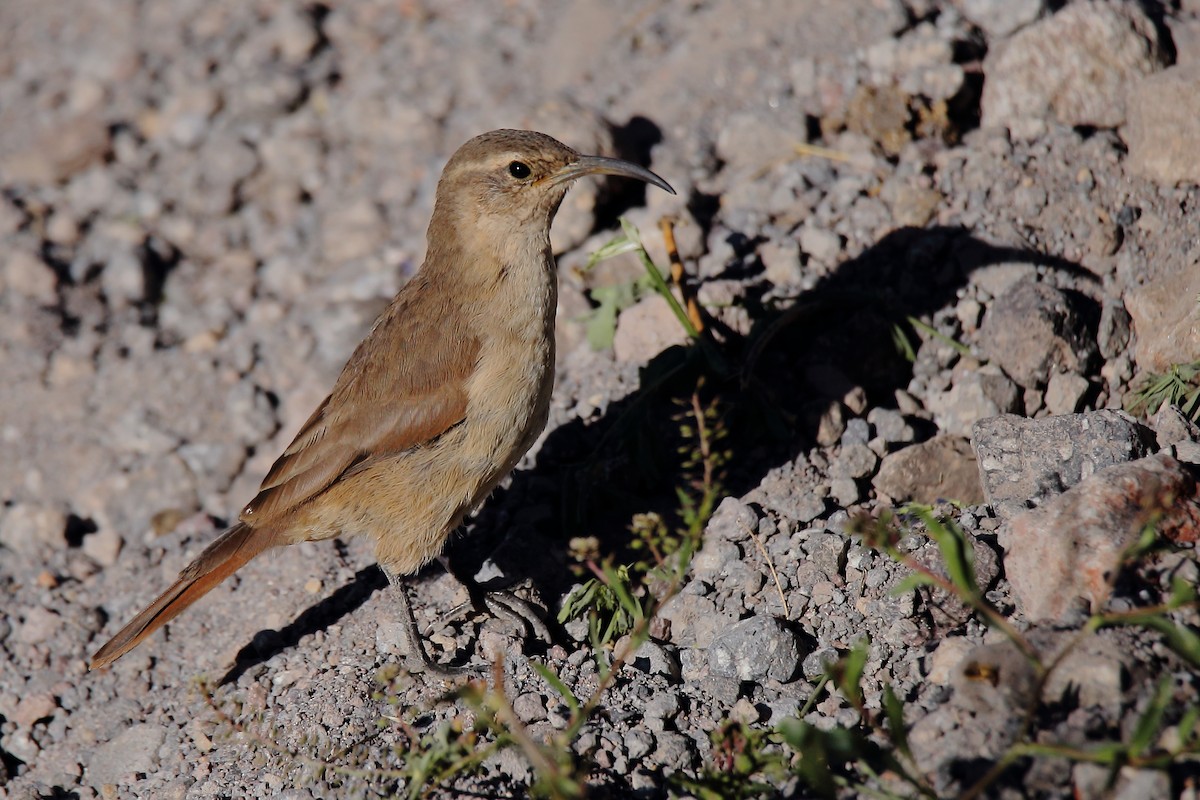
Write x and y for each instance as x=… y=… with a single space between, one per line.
x=222 y=558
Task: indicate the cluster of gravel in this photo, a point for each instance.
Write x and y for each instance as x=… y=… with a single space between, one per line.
x=203 y=206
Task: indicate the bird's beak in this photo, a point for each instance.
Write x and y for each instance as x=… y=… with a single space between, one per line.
x=599 y=165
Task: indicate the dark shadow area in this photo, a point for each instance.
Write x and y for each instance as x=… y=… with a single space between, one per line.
x=592 y=476
x=632 y=142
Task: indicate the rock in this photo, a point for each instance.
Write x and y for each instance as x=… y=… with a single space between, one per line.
x=943 y=468
x=66 y=148
x=39 y=625
x=1096 y=780
x=995 y=678
x=944 y=660
x=1067 y=549
x=753 y=649
x=1171 y=426
x=881 y=114
x=646 y=329
x=976 y=394
x=1024 y=461
x=818 y=661
x=651 y=658
x=1065 y=392
x=1001 y=18
x=1094 y=672
x=890 y=425
x=1074 y=67
x=28 y=276
x=695 y=621
x=529 y=707
x=752 y=142
x=1166 y=317
x=134 y=750
x=853 y=461
x=27 y=528
x=1113 y=333
x=1033 y=330
x=823 y=245
x=103 y=546
x=1163 y=133
x=733 y=521
x=33 y=708
x=781 y=262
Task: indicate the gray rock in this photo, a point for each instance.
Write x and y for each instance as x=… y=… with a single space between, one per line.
x=819 y=660
x=890 y=425
x=1065 y=392
x=755 y=648
x=653 y=659
x=1001 y=18
x=1033 y=330
x=943 y=468
x=975 y=394
x=28 y=528
x=1112 y=337
x=695 y=621
x=529 y=707
x=638 y=743
x=854 y=461
x=1022 y=461
x=858 y=431
x=1172 y=426
x=1073 y=67
x=1060 y=558
x=133 y=750
x=38 y=625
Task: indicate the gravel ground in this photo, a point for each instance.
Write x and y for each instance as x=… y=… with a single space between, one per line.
x=203 y=206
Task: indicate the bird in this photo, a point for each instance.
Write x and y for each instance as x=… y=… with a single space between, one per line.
x=439 y=401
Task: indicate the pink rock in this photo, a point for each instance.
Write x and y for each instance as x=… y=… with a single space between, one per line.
x=1066 y=551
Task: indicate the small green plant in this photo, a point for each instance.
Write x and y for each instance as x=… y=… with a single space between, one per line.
x=1179 y=386
x=612 y=300
x=908 y=351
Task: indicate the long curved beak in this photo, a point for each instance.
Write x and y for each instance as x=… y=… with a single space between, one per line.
x=599 y=165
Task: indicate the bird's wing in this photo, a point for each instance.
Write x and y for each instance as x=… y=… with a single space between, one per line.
x=405 y=385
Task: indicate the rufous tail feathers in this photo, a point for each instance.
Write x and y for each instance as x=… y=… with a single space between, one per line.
x=222 y=558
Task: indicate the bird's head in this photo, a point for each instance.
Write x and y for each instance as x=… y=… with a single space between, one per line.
x=514 y=180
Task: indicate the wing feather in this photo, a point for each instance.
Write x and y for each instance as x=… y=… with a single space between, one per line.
x=387 y=400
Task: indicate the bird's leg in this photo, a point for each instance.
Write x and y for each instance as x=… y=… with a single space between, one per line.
x=503 y=604
x=415 y=657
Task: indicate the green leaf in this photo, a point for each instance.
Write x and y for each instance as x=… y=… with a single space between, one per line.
x=615 y=247
x=956 y=552
x=850 y=672
x=1182 y=593
x=895 y=717
x=1150 y=723
x=556 y=682
x=1187 y=725
x=903 y=344
x=912 y=583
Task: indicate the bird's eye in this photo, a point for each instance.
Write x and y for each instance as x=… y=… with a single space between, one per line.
x=519 y=169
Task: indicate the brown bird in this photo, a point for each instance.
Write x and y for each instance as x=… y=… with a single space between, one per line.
x=439 y=401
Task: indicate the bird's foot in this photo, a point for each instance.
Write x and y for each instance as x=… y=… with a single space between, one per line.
x=416 y=660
